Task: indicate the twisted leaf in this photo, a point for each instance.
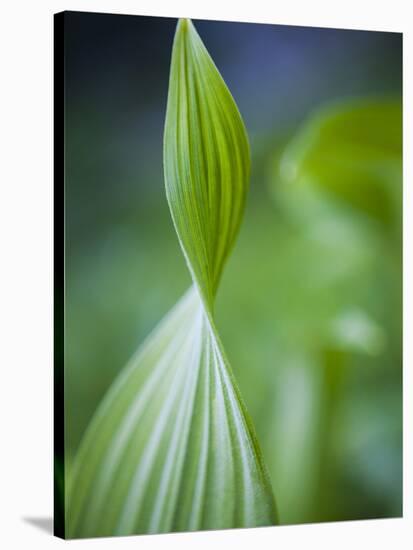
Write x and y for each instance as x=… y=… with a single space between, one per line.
x=171 y=447
x=206 y=160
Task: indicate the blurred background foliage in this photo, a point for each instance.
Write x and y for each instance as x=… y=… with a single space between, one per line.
x=310 y=304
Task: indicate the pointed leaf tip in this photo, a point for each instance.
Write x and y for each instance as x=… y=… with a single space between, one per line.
x=206 y=160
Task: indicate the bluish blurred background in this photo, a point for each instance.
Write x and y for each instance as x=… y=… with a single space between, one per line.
x=309 y=308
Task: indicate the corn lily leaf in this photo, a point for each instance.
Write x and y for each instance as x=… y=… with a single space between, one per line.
x=206 y=160
x=171 y=447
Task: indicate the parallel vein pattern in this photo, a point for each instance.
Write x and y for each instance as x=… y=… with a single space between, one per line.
x=206 y=160
x=171 y=447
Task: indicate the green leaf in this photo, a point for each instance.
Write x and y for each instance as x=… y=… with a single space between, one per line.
x=171 y=447
x=354 y=152
x=206 y=160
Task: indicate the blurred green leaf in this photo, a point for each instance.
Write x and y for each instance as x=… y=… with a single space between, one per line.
x=355 y=331
x=338 y=187
x=353 y=151
x=171 y=448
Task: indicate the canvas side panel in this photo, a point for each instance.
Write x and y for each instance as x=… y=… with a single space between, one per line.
x=59 y=275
